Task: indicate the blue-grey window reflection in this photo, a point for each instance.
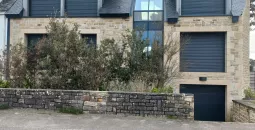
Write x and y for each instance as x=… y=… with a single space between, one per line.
x=148 y=17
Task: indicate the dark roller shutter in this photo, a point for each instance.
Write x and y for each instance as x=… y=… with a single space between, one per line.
x=203 y=7
x=43 y=8
x=204 y=52
x=209 y=101
x=80 y=8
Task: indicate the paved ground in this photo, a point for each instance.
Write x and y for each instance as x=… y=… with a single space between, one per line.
x=26 y=119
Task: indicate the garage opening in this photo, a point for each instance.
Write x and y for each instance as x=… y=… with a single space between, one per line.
x=209 y=101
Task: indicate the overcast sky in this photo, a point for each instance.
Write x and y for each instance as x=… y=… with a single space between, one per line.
x=252 y=45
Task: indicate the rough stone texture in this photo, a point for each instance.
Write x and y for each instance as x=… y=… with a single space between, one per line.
x=103 y=27
x=237 y=75
x=236 y=78
x=138 y=104
x=243 y=111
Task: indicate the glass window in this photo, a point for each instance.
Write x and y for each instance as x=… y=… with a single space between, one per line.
x=90 y=39
x=148 y=17
x=142 y=5
x=140 y=16
x=156 y=5
x=155 y=16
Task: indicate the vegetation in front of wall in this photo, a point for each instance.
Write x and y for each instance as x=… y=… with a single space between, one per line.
x=172 y=117
x=63 y=60
x=168 y=89
x=4 y=84
x=4 y=106
x=249 y=94
x=71 y=110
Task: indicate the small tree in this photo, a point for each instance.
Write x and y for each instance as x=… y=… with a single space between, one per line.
x=63 y=60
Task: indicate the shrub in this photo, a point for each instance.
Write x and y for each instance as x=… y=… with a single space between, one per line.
x=71 y=110
x=162 y=90
x=63 y=60
x=4 y=84
x=249 y=94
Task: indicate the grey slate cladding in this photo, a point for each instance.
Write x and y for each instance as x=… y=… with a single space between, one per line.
x=170 y=9
x=5 y=5
x=116 y=7
x=16 y=8
x=238 y=7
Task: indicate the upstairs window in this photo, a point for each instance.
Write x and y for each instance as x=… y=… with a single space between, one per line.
x=44 y=8
x=148 y=17
x=203 y=7
x=81 y=8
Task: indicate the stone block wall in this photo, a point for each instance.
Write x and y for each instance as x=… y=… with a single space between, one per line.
x=243 y=111
x=138 y=104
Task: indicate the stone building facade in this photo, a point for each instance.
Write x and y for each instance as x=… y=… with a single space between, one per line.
x=236 y=76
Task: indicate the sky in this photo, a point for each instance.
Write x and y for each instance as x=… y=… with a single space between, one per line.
x=252 y=45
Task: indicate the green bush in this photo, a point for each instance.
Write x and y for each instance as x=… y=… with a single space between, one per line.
x=71 y=110
x=4 y=84
x=162 y=90
x=249 y=94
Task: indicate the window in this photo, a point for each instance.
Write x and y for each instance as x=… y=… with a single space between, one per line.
x=81 y=8
x=32 y=40
x=44 y=8
x=203 y=7
x=204 y=52
x=148 y=17
x=90 y=39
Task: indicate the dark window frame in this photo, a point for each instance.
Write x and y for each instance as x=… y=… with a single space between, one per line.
x=148 y=21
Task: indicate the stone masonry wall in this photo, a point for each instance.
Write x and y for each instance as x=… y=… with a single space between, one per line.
x=243 y=111
x=138 y=104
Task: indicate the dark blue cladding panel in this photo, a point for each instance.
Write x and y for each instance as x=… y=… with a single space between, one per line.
x=43 y=8
x=204 y=52
x=209 y=101
x=80 y=8
x=203 y=7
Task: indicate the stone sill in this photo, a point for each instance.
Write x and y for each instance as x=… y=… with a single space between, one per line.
x=88 y=91
x=247 y=103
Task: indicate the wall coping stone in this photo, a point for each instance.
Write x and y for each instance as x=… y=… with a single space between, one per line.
x=247 y=103
x=110 y=92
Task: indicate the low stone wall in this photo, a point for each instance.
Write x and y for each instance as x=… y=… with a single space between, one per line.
x=139 y=104
x=243 y=111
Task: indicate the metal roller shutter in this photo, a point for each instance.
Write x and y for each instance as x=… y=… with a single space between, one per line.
x=203 y=7
x=204 y=52
x=80 y=8
x=43 y=8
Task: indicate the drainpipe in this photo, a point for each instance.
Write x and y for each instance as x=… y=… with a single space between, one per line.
x=7 y=70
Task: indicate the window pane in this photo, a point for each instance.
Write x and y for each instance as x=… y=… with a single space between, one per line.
x=90 y=38
x=155 y=16
x=141 y=26
x=156 y=25
x=156 y=5
x=155 y=36
x=140 y=16
x=142 y=5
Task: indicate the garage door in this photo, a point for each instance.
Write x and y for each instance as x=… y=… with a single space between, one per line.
x=209 y=101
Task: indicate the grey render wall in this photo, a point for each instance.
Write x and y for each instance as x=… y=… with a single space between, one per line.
x=138 y=104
